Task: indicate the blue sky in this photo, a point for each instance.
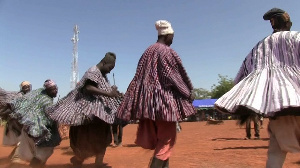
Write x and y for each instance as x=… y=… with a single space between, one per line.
x=211 y=36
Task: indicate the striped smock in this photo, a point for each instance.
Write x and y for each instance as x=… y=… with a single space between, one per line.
x=5 y=98
x=8 y=96
x=160 y=89
x=268 y=80
x=78 y=108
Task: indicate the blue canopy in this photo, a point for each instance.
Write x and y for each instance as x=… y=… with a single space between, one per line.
x=204 y=103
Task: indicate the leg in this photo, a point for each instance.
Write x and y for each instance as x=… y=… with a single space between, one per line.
x=120 y=134
x=25 y=150
x=248 y=129
x=102 y=149
x=12 y=132
x=166 y=141
x=166 y=136
x=41 y=156
x=261 y=120
x=99 y=158
x=76 y=161
x=146 y=135
x=256 y=127
x=178 y=127
x=15 y=154
x=156 y=163
x=63 y=131
x=115 y=133
x=166 y=164
x=276 y=156
x=36 y=163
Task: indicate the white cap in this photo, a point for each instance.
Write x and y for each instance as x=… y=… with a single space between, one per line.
x=163 y=27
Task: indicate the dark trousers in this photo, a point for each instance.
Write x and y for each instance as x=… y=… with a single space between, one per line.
x=117 y=133
x=255 y=119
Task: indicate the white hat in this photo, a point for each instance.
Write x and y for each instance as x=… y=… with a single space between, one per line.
x=24 y=83
x=163 y=27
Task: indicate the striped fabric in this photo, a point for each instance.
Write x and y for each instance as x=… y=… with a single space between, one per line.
x=5 y=98
x=160 y=88
x=8 y=96
x=29 y=110
x=268 y=80
x=76 y=108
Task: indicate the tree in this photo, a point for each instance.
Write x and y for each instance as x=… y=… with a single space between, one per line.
x=224 y=85
x=201 y=93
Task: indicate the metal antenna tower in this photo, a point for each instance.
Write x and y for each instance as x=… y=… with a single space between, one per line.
x=75 y=76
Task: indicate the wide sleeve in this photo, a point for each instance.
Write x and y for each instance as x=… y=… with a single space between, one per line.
x=173 y=74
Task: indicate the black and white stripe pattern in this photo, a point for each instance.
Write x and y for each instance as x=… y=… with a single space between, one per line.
x=76 y=108
x=8 y=96
x=268 y=80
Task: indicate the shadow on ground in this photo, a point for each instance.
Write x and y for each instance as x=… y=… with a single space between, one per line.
x=230 y=139
x=4 y=160
x=244 y=147
x=130 y=145
x=83 y=166
x=298 y=162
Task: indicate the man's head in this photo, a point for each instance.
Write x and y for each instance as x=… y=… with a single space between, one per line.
x=165 y=32
x=25 y=87
x=108 y=63
x=51 y=88
x=279 y=19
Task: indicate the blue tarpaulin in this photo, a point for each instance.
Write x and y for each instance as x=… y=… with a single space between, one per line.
x=204 y=103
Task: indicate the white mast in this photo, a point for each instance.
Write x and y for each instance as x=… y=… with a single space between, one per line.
x=75 y=76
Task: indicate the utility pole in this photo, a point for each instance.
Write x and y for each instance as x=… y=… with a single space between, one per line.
x=74 y=64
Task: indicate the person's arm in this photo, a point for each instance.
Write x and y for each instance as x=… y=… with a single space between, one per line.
x=245 y=69
x=90 y=87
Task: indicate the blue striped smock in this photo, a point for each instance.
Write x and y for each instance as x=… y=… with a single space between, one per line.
x=29 y=110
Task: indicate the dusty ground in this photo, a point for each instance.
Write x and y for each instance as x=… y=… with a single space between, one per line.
x=198 y=146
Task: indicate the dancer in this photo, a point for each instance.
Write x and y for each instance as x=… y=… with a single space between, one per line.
x=13 y=128
x=90 y=109
x=268 y=84
x=255 y=119
x=159 y=95
x=39 y=134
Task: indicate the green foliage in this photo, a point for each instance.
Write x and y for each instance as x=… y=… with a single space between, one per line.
x=2 y=122
x=201 y=93
x=224 y=85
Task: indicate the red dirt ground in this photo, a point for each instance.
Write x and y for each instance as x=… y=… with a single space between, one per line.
x=198 y=146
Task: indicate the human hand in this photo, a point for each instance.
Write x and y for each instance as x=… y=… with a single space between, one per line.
x=114 y=92
x=192 y=97
x=114 y=87
x=120 y=94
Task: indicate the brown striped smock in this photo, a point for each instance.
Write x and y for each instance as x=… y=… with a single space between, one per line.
x=77 y=107
x=8 y=96
x=160 y=89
